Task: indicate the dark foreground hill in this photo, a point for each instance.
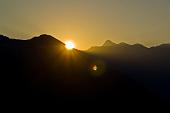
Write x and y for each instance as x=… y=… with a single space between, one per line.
x=42 y=71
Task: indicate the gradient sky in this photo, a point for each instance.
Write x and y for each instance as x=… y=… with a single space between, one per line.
x=88 y=22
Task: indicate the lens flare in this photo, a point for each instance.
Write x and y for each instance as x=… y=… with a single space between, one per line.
x=94 y=68
x=98 y=68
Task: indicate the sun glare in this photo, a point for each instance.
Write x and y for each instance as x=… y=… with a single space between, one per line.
x=69 y=45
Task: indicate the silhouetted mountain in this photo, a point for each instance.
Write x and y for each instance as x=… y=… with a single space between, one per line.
x=139 y=46
x=3 y=38
x=42 y=71
x=122 y=44
x=46 y=39
x=109 y=43
x=149 y=66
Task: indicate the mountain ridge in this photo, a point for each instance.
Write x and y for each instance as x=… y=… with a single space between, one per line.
x=48 y=39
x=110 y=44
x=40 y=67
x=41 y=40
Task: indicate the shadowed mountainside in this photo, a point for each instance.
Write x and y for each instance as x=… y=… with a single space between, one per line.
x=149 y=66
x=41 y=70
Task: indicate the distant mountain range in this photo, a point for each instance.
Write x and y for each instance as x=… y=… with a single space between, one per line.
x=137 y=51
x=41 y=71
x=109 y=43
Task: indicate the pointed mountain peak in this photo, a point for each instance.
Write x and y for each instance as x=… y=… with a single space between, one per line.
x=109 y=43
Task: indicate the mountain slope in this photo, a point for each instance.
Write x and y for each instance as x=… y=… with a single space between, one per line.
x=150 y=66
x=42 y=71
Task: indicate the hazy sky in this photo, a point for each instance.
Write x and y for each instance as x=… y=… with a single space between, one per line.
x=88 y=22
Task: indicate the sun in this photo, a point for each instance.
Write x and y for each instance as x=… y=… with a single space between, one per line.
x=69 y=45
